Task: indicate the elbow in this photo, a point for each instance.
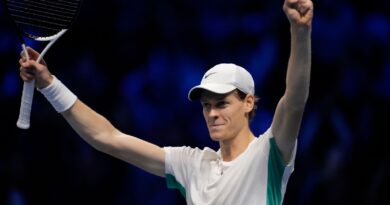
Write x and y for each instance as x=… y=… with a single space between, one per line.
x=297 y=100
x=99 y=145
x=105 y=141
x=302 y=102
x=298 y=107
x=298 y=104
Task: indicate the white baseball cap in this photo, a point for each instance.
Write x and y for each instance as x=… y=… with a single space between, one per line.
x=224 y=78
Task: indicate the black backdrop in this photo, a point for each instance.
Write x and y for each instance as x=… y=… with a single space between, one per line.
x=134 y=61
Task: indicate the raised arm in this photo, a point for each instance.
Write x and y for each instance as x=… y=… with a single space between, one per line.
x=92 y=127
x=289 y=111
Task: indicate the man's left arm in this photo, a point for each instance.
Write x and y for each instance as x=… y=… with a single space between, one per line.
x=289 y=111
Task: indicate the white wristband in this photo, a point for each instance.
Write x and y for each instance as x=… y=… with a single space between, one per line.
x=59 y=96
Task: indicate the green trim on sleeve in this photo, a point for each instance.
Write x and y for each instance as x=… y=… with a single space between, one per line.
x=172 y=183
x=275 y=174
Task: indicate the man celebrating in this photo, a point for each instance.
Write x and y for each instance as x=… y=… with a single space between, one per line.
x=246 y=169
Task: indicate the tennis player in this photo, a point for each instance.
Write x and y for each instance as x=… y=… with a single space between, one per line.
x=247 y=169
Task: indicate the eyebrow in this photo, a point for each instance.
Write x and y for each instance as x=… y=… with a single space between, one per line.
x=217 y=98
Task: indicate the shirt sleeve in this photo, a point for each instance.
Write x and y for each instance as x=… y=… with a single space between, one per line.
x=276 y=151
x=278 y=171
x=178 y=167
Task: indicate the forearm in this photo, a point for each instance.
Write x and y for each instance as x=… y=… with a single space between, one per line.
x=299 y=66
x=103 y=136
x=91 y=126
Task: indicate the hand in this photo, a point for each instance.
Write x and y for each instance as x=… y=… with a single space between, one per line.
x=32 y=70
x=299 y=12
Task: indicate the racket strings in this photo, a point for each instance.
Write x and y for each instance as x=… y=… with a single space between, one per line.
x=37 y=26
x=49 y=15
x=65 y=6
x=21 y=7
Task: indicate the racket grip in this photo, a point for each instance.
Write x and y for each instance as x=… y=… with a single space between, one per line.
x=25 y=105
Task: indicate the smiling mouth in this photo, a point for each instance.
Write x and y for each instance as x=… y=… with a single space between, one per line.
x=216 y=126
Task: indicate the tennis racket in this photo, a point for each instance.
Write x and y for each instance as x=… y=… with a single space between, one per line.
x=43 y=21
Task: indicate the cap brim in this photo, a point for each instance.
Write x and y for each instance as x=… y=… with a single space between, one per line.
x=195 y=92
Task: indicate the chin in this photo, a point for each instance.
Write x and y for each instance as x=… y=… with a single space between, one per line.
x=216 y=136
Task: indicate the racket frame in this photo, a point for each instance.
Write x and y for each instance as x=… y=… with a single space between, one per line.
x=23 y=121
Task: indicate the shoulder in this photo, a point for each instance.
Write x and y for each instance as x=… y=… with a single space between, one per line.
x=263 y=143
x=269 y=145
x=187 y=151
x=264 y=137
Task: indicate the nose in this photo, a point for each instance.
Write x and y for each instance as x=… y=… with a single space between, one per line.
x=213 y=113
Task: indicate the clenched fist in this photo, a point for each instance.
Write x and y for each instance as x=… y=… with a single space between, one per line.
x=299 y=12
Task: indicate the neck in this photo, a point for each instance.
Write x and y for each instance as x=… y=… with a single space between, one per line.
x=232 y=148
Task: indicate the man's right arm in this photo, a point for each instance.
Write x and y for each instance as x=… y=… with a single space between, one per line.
x=91 y=126
x=103 y=136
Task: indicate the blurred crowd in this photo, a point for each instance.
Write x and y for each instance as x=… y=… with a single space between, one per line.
x=134 y=62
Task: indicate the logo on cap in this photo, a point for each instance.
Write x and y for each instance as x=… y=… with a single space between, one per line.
x=206 y=76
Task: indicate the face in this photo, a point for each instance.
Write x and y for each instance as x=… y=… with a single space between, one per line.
x=225 y=114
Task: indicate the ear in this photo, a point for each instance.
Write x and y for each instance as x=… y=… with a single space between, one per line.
x=249 y=103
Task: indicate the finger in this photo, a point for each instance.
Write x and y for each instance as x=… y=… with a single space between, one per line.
x=302 y=9
x=30 y=64
x=26 y=64
x=26 y=76
x=306 y=10
x=28 y=70
x=26 y=73
x=32 y=53
x=23 y=55
x=34 y=67
x=35 y=55
x=30 y=67
x=291 y=3
x=21 y=60
x=304 y=6
x=309 y=5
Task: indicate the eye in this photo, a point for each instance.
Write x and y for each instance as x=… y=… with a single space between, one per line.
x=221 y=104
x=206 y=105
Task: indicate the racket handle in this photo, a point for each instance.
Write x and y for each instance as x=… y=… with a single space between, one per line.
x=25 y=105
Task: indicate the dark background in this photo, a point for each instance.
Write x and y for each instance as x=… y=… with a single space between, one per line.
x=134 y=62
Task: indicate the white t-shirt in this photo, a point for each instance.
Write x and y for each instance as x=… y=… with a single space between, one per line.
x=256 y=176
